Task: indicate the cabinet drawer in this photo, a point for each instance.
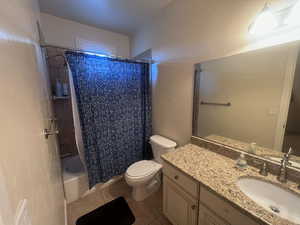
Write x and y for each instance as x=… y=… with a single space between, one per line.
x=224 y=209
x=185 y=182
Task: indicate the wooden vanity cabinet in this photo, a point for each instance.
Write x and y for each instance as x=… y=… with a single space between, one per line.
x=207 y=217
x=178 y=206
x=180 y=197
x=222 y=210
x=186 y=202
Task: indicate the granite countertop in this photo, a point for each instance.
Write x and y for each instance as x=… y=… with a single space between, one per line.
x=219 y=174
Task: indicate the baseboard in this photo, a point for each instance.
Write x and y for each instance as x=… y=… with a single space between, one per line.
x=88 y=192
x=111 y=181
x=101 y=186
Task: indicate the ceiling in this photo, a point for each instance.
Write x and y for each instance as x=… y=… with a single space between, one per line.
x=123 y=16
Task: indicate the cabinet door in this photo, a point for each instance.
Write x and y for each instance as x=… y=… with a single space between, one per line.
x=206 y=217
x=178 y=206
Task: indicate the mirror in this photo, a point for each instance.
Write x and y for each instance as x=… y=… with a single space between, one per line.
x=251 y=101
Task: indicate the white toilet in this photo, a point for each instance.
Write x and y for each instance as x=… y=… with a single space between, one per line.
x=145 y=176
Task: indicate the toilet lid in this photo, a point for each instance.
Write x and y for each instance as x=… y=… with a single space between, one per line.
x=162 y=141
x=143 y=168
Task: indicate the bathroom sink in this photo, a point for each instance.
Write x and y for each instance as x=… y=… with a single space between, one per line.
x=273 y=198
x=277 y=159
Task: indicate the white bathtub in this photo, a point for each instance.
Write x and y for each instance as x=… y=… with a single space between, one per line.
x=75 y=178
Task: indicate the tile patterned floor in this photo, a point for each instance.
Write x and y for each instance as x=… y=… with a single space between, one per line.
x=147 y=212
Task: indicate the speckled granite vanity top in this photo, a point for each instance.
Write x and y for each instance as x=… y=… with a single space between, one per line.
x=219 y=174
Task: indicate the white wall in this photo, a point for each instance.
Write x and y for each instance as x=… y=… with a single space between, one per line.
x=29 y=165
x=66 y=33
x=172 y=98
x=197 y=30
x=194 y=31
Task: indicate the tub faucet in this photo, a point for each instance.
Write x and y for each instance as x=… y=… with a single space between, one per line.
x=283 y=164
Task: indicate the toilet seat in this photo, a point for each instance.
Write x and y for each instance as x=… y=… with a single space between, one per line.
x=143 y=169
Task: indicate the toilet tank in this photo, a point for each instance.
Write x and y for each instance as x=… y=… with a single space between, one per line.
x=161 y=145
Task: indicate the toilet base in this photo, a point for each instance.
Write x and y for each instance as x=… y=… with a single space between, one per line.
x=140 y=193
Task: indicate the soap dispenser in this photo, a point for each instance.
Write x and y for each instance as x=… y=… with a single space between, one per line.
x=252 y=148
x=241 y=162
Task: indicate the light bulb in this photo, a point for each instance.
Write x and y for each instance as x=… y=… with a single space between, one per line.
x=294 y=16
x=264 y=23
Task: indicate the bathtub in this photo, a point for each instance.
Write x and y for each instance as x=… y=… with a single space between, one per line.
x=75 y=178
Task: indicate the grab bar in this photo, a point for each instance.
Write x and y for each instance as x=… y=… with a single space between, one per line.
x=215 y=103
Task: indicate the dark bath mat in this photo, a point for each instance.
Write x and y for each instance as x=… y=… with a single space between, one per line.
x=116 y=212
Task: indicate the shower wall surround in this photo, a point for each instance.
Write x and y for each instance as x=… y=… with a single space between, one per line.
x=62 y=104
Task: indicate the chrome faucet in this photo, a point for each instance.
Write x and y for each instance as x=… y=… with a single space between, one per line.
x=283 y=164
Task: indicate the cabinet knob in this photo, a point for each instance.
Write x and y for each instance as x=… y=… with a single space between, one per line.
x=176 y=177
x=194 y=207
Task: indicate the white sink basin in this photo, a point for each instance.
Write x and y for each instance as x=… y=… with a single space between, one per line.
x=273 y=198
x=277 y=159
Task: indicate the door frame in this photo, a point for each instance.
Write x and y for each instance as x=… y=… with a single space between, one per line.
x=286 y=96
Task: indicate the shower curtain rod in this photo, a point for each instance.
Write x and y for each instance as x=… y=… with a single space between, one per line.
x=95 y=53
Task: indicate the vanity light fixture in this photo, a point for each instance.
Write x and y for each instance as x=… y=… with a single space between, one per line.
x=294 y=16
x=264 y=23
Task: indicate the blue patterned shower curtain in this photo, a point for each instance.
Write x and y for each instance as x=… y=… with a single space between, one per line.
x=114 y=105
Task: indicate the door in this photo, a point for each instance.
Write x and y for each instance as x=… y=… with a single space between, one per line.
x=179 y=207
x=285 y=98
x=29 y=162
x=292 y=128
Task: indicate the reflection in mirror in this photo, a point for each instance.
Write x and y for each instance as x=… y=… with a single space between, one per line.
x=251 y=101
x=292 y=130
